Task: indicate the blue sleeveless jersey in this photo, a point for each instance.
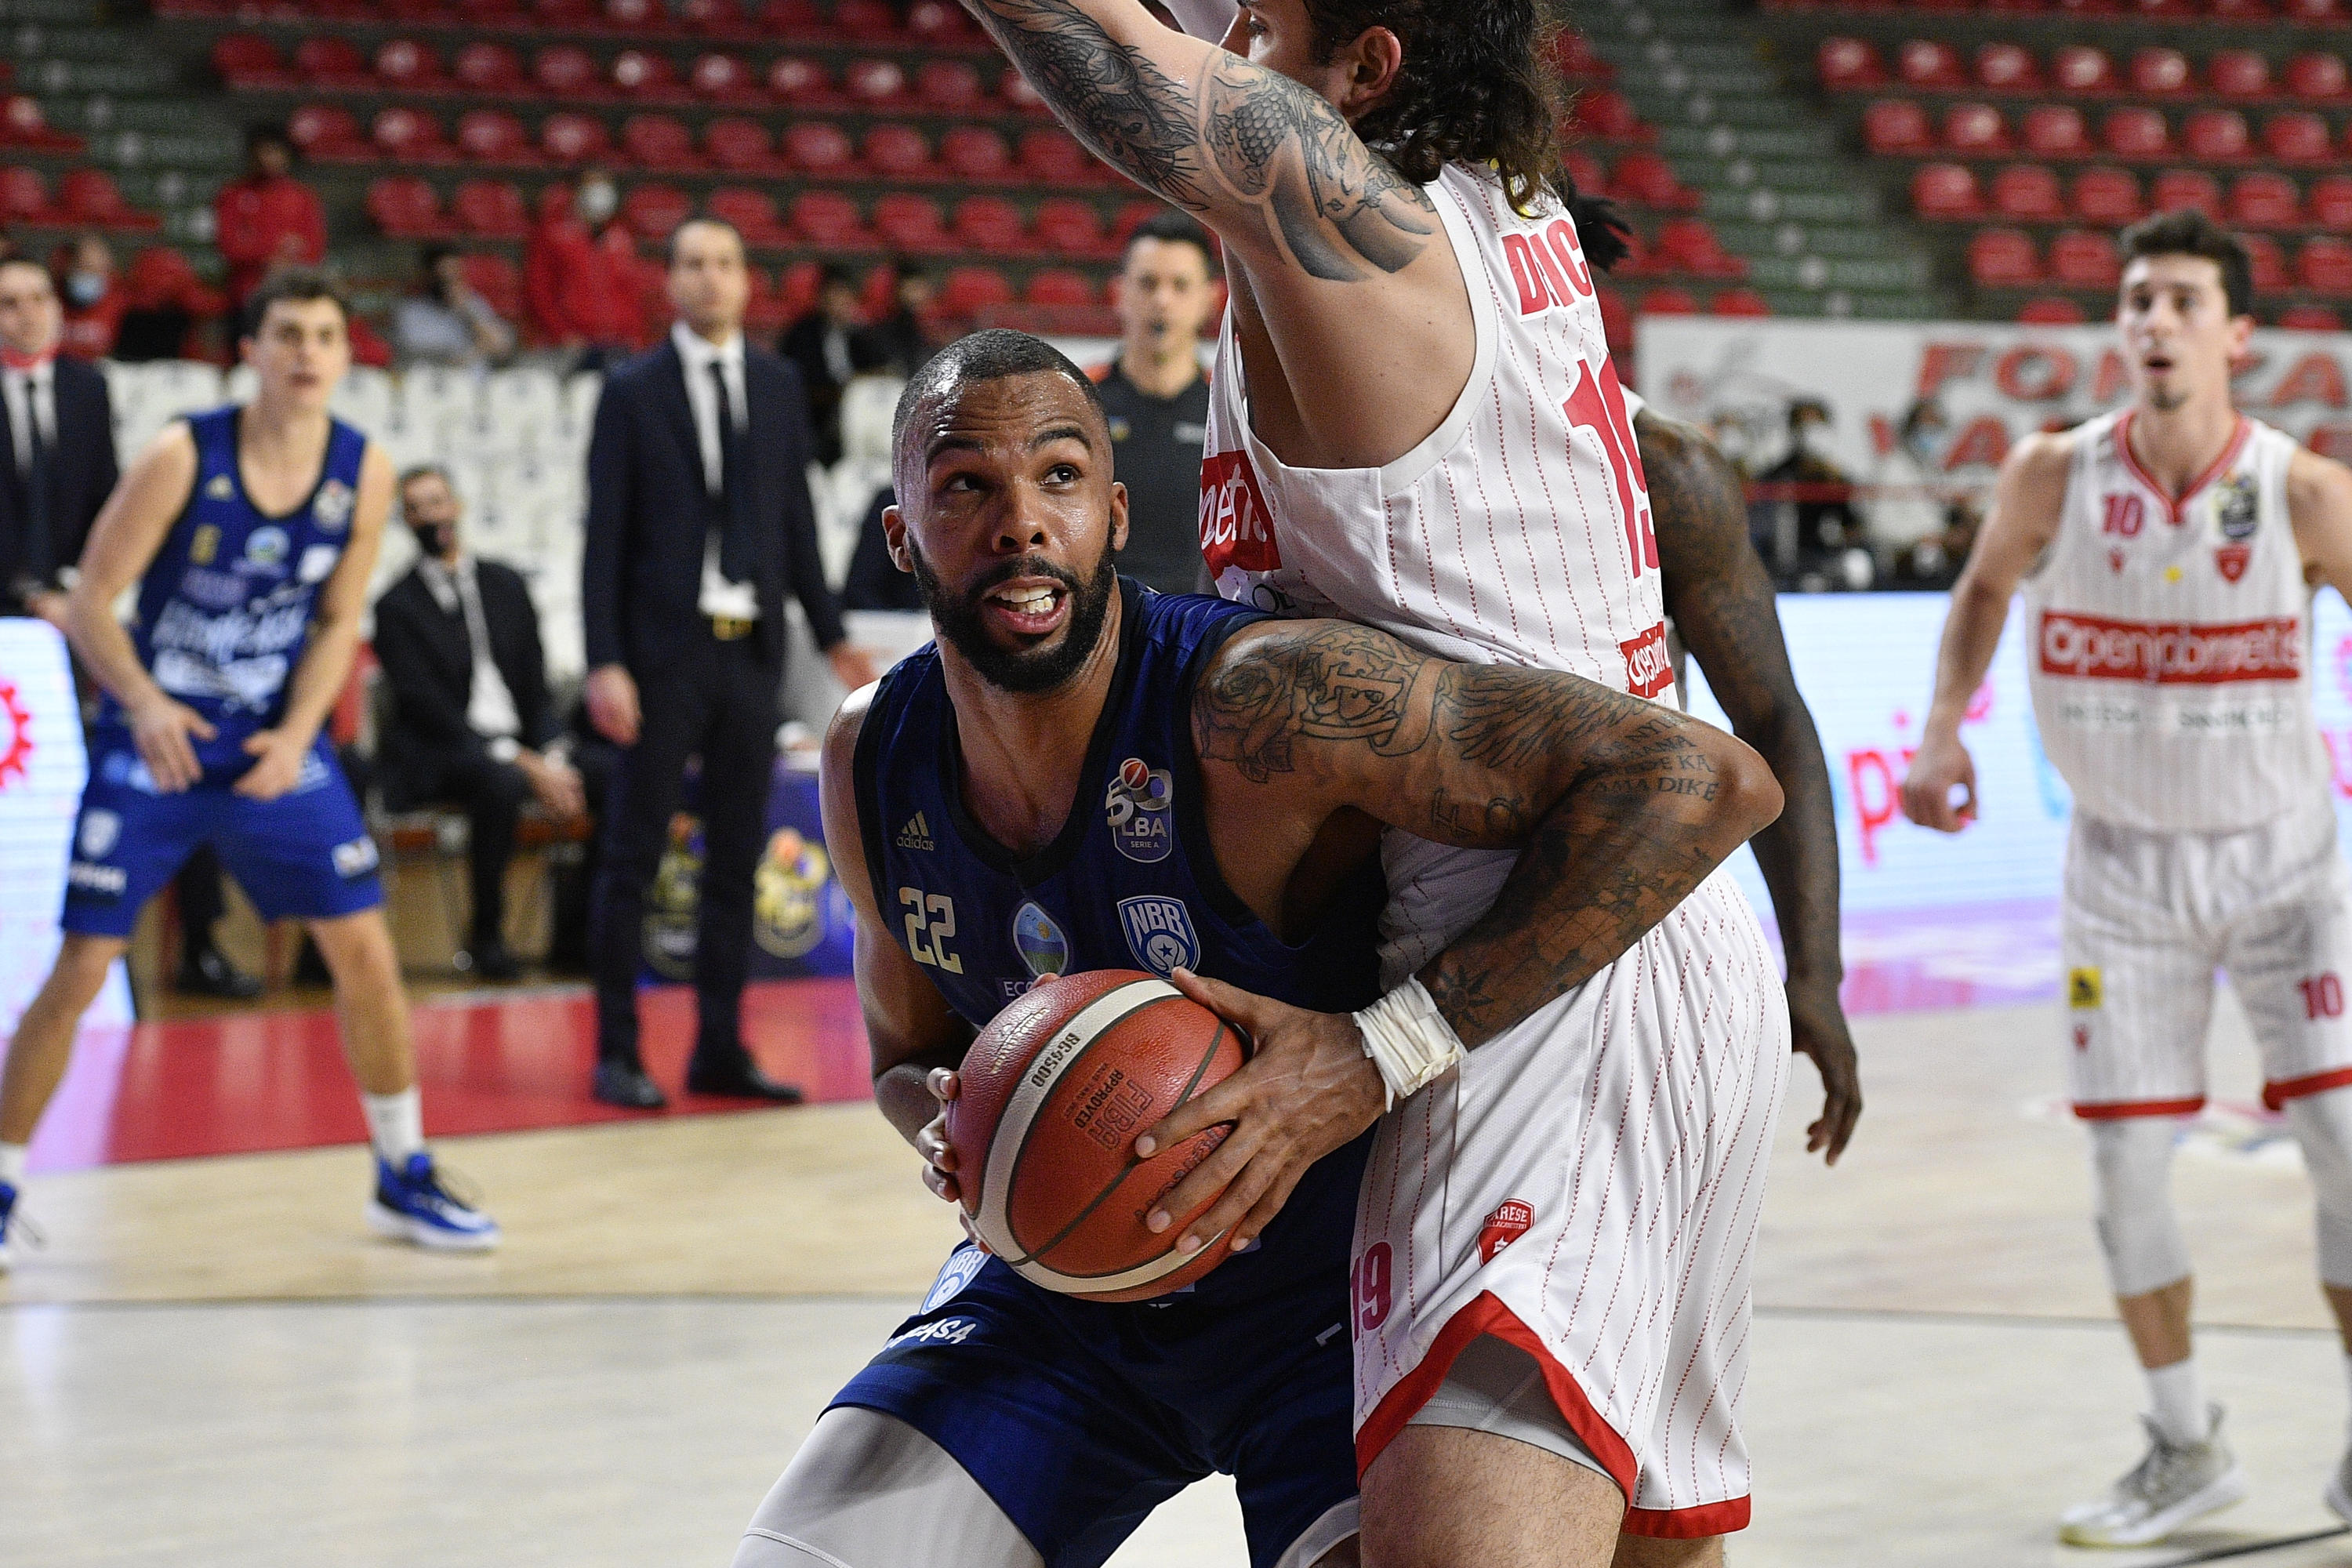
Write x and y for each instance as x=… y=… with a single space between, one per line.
x=225 y=608
x=1131 y=882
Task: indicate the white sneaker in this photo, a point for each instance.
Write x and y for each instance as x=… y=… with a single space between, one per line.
x=2337 y=1494
x=2176 y=1483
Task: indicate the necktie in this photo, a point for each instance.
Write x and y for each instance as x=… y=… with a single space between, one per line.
x=36 y=557
x=736 y=551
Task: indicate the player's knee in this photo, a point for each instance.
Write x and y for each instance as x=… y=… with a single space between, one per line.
x=2322 y=1126
x=2140 y=1233
x=358 y=950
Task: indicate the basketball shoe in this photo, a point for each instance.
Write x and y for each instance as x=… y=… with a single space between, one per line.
x=412 y=1204
x=2176 y=1483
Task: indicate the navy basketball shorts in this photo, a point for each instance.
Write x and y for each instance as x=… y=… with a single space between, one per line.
x=1078 y=1418
x=304 y=855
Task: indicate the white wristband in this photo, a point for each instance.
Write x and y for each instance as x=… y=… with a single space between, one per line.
x=1408 y=1040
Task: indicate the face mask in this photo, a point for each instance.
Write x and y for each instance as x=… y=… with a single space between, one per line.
x=433 y=538
x=86 y=289
x=598 y=202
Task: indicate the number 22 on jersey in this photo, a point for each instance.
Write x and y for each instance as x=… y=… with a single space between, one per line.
x=930 y=922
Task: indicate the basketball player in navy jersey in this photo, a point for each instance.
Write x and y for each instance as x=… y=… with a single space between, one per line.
x=1084 y=774
x=250 y=532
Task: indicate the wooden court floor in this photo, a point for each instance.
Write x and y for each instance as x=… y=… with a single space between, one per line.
x=212 y=1363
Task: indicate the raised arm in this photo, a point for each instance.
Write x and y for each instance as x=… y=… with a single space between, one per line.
x=2029 y=498
x=1722 y=603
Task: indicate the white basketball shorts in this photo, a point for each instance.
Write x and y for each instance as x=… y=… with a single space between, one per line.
x=1587 y=1187
x=2148 y=917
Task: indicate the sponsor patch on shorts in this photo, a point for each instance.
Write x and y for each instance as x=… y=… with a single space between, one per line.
x=356 y=859
x=964 y=1266
x=102 y=881
x=946 y=1331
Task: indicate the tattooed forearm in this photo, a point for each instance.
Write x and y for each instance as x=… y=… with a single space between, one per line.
x=1251 y=149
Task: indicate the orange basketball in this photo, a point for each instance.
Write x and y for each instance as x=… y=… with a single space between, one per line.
x=1056 y=1092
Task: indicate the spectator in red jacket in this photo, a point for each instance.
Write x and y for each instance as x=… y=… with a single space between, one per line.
x=267 y=218
x=94 y=299
x=583 y=286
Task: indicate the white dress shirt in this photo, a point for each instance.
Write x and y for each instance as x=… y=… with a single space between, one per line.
x=32 y=394
x=490 y=710
x=720 y=598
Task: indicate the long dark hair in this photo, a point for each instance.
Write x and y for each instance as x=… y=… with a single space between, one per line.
x=1477 y=86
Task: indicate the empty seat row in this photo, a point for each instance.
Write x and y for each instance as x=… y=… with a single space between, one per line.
x=973 y=155
x=1682 y=245
x=23 y=125
x=2033 y=193
x=2086 y=259
x=934 y=24
x=1933 y=65
x=1605 y=114
x=1901 y=127
x=249 y=61
x=1639 y=178
x=1668 y=300
x=84 y=197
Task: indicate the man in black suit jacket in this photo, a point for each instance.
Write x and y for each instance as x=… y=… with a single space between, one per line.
x=59 y=466
x=699 y=522
x=471 y=722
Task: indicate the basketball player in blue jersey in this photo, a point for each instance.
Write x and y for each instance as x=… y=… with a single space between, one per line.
x=250 y=533
x=1084 y=774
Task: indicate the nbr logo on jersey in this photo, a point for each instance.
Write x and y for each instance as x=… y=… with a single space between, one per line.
x=1160 y=934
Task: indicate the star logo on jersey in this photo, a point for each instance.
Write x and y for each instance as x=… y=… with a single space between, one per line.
x=2084 y=989
x=1159 y=933
x=2231 y=561
x=1236 y=525
x=1045 y=951
x=332 y=506
x=916 y=834
x=222 y=488
x=1505 y=1226
x=2237 y=508
x=1137 y=806
x=2114 y=561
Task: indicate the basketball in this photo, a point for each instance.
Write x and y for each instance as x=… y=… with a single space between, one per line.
x=1056 y=1092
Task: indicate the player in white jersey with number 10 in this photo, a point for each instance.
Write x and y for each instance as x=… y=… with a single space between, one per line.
x=2168 y=553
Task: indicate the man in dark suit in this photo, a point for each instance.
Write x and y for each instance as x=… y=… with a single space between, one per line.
x=699 y=522
x=471 y=722
x=818 y=345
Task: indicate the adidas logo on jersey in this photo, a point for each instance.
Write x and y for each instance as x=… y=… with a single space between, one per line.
x=917 y=835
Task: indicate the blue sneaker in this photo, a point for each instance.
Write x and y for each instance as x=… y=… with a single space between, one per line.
x=412 y=1205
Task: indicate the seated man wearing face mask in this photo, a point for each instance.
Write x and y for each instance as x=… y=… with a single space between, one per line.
x=582 y=283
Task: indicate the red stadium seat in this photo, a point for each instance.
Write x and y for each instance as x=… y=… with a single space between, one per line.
x=491 y=208
x=2298 y=137
x=1069 y=227
x=968 y=290
x=634 y=16
x=1578 y=60
x=723 y=78
x=796 y=288
x=658 y=142
x=1616 y=321
x=2106 y=194
x=828 y=219
x=652 y=212
x=2006 y=68
x=1644 y=178
x=247 y=60
x=2082 y=259
x=2331 y=202
x=2310 y=318
x=494 y=136
x=817 y=147
x=566 y=70
x=2269 y=261
x=486 y=67
x=904 y=221
x=939 y=24
x=722 y=16
x=951 y=86
x=2050 y=311
x=327 y=130
x=324 y=61
x=2265 y=200
x=976 y=153
x=642 y=73
x=411 y=67
x=1607 y=115
x=2185 y=190
x=875 y=82
x=2135 y=132
x=2237 y=10
x=1014 y=89
x=741 y=145
x=2003 y=259
x=1130 y=217
x=1895 y=126
x=1846 y=64
x=898 y=151
x=989 y=224
x=1668 y=300
x=1058 y=286
x=2217 y=136
x=25 y=196
x=2318 y=78
x=2056 y=130
x=764 y=311
x=23 y=125
x=495 y=278
x=1738 y=302
x=867 y=21
x=1930 y=65
x=2330 y=13
x=2239 y=73
x=406 y=208
x=1690 y=244
x=1946 y=191
x=564 y=12
x=2027 y=193
x=574 y=139
x=90 y=196
x=754 y=214
x=1054 y=157
x=796 y=79
x=1587 y=171
x=1974 y=131
x=2082 y=70
x=2157 y=72
x=2324 y=265
x=404 y=136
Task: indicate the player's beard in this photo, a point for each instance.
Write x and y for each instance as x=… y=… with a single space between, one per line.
x=962 y=622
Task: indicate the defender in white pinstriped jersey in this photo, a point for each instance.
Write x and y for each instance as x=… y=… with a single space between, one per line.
x=2168 y=553
x=1415 y=425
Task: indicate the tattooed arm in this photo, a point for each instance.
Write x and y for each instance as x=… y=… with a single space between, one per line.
x=1722 y=603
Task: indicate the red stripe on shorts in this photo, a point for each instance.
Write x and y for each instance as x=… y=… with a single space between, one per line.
x=2114 y=1109
x=2276 y=1095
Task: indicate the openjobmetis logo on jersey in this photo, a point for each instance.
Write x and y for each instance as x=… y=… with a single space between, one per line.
x=2173 y=654
x=917 y=835
x=1236 y=525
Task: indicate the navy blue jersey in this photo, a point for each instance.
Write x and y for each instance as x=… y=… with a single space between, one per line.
x=225 y=608
x=1129 y=883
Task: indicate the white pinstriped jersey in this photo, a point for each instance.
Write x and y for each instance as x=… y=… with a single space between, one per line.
x=2170 y=666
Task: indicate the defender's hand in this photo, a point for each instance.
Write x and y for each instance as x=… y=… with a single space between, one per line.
x=1305 y=1091
x=1817 y=1029
x=613 y=703
x=160 y=729
x=1941 y=763
x=279 y=769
